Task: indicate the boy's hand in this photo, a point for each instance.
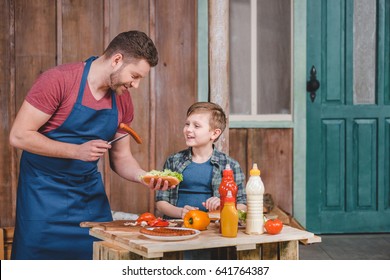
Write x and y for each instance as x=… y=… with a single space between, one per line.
x=212 y=203
x=187 y=208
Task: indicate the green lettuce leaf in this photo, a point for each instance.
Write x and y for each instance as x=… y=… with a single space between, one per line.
x=167 y=172
x=241 y=215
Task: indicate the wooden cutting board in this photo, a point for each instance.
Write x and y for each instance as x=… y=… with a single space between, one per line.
x=118 y=225
x=121 y=225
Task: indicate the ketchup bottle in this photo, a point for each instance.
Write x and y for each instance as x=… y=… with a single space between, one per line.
x=227 y=184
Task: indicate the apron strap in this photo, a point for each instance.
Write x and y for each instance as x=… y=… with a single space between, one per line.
x=88 y=63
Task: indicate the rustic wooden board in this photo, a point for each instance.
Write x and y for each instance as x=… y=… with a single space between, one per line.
x=253 y=254
x=272 y=150
x=238 y=138
x=119 y=225
x=219 y=62
x=8 y=165
x=66 y=31
x=211 y=238
x=1 y=244
x=176 y=73
x=289 y=250
x=127 y=196
x=82 y=25
x=106 y=251
x=7 y=236
x=270 y=251
x=23 y=57
x=33 y=56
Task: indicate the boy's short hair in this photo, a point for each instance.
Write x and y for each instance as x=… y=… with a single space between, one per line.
x=133 y=45
x=218 y=117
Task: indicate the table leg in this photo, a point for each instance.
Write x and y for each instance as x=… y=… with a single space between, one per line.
x=252 y=254
x=173 y=255
x=105 y=251
x=224 y=253
x=286 y=250
x=2 y=245
x=270 y=251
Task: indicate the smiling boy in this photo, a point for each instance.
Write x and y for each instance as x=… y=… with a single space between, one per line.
x=201 y=165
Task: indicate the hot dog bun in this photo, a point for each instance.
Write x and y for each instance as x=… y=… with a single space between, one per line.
x=172 y=181
x=214 y=215
x=172 y=177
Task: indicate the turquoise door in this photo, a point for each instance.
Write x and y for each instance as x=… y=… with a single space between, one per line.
x=348 y=123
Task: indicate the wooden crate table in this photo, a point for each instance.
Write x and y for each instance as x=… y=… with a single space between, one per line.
x=133 y=245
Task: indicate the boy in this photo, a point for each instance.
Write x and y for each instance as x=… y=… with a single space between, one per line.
x=201 y=165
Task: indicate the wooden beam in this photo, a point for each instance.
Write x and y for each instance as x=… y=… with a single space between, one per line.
x=59 y=32
x=14 y=167
x=2 y=244
x=153 y=102
x=219 y=61
x=106 y=40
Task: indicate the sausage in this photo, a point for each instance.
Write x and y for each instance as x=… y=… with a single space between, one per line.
x=130 y=131
x=161 y=231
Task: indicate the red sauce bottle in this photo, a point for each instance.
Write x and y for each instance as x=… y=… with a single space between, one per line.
x=227 y=184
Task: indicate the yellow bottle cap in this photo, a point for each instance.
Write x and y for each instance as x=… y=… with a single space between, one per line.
x=255 y=170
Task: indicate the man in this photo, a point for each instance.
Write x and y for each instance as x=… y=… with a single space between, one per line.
x=63 y=127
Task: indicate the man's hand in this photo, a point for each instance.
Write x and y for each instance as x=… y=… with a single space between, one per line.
x=92 y=150
x=158 y=185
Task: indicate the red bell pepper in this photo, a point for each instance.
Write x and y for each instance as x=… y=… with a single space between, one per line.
x=158 y=223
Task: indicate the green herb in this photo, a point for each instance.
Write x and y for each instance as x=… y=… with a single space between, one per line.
x=241 y=215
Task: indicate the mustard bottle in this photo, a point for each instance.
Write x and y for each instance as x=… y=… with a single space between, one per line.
x=229 y=217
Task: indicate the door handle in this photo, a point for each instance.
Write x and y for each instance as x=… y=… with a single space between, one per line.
x=313 y=84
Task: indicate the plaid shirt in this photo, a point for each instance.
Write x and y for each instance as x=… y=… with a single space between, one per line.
x=179 y=161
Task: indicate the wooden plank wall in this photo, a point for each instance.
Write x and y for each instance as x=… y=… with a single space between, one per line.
x=7 y=162
x=272 y=150
x=125 y=196
x=36 y=35
x=173 y=89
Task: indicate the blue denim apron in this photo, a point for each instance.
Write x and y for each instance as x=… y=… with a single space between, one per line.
x=56 y=194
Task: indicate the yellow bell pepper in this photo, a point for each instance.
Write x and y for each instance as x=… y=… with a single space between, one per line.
x=196 y=219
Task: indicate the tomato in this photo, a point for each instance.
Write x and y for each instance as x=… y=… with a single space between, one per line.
x=158 y=222
x=273 y=226
x=196 y=219
x=145 y=217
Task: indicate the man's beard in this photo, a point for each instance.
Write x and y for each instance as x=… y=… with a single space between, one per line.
x=115 y=85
